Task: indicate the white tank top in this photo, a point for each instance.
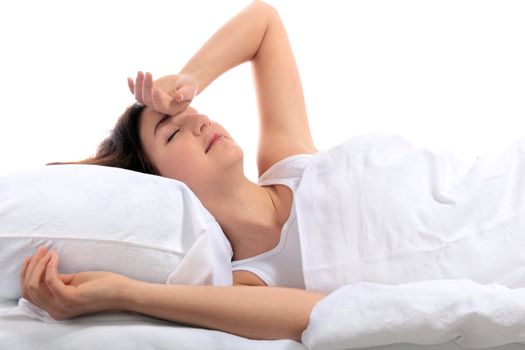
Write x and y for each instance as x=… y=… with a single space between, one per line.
x=281 y=266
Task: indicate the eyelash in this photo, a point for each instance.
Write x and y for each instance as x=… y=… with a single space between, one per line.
x=169 y=138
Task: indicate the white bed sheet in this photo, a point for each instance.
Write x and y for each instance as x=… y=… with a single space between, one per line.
x=120 y=331
x=134 y=331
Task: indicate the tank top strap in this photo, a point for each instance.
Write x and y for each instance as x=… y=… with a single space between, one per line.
x=286 y=172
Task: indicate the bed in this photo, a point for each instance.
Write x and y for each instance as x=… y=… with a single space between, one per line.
x=133 y=331
x=154 y=229
x=119 y=331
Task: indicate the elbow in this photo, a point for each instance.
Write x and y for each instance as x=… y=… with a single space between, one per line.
x=272 y=25
x=262 y=4
x=297 y=335
x=302 y=319
x=265 y=9
x=295 y=332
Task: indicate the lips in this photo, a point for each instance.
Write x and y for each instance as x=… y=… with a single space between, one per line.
x=214 y=137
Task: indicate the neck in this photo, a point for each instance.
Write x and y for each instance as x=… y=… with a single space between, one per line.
x=246 y=213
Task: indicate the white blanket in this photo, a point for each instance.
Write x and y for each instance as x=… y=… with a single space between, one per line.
x=431 y=312
x=377 y=209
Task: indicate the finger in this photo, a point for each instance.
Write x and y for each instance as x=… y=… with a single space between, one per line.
x=23 y=273
x=131 y=86
x=41 y=251
x=179 y=96
x=157 y=102
x=37 y=290
x=146 y=90
x=37 y=272
x=161 y=101
x=138 y=86
x=65 y=278
x=53 y=281
x=167 y=104
x=187 y=93
x=24 y=268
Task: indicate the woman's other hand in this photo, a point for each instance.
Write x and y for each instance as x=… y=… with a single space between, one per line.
x=169 y=94
x=66 y=296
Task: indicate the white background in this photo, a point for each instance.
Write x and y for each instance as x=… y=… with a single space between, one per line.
x=443 y=74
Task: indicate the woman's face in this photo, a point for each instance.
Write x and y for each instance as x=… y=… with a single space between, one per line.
x=190 y=148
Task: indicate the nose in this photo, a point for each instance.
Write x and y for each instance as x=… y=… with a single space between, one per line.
x=200 y=123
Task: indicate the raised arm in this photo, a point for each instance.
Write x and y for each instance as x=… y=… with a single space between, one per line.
x=252 y=312
x=257 y=35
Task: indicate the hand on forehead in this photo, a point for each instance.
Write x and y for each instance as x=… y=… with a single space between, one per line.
x=167 y=95
x=186 y=110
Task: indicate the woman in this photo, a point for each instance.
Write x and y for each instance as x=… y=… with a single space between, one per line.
x=373 y=209
x=163 y=135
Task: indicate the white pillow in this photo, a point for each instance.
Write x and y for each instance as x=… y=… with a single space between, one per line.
x=100 y=218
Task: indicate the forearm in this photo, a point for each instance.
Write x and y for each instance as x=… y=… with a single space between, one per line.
x=236 y=42
x=251 y=312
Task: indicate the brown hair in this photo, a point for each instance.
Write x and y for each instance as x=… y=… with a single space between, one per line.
x=122 y=148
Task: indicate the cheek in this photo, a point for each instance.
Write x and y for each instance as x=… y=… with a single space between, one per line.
x=182 y=166
x=173 y=167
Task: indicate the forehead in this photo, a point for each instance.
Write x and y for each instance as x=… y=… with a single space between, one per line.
x=150 y=117
x=149 y=113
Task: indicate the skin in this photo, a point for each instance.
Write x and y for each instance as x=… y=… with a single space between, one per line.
x=254 y=216
x=185 y=157
x=216 y=177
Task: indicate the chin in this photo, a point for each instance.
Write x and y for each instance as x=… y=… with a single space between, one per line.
x=234 y=157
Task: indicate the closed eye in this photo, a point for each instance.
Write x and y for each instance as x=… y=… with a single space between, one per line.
x=171 y=136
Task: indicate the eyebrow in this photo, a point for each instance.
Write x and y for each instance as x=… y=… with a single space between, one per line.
x=162 y=120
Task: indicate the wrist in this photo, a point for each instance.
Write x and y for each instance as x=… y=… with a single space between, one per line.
x=199 y=73
x=124 y=298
